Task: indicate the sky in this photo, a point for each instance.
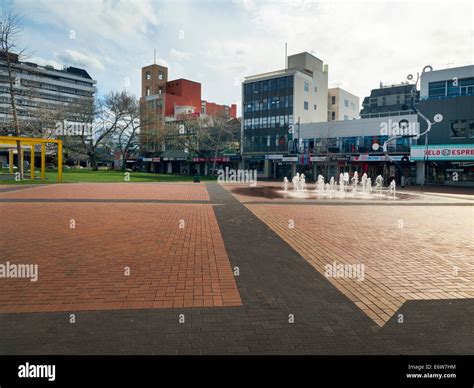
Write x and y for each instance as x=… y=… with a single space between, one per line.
x=219 y=43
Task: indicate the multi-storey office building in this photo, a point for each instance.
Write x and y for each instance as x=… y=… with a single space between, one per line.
x=50 y=102
x=389 y=100
x=277 y=101
x=448 y=151
x=40 y=93
x=342 y=105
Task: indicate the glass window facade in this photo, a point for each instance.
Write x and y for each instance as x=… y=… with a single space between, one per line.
x=354 y=145
x=267 y=114
x=451 y=88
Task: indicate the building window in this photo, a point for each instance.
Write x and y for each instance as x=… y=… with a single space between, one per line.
x=160 y=75
x=437 y=89
x=453 y=89
x=315 y=89
x=315 y=107
x=306 y=87
x=471 y=128
x=147 y=75
x=458 y=128
x=306 y=105
x=352 y=106
x=147 y=90
x=333 y=100
x=333 y=115
x=346 y=103
x=467 y=86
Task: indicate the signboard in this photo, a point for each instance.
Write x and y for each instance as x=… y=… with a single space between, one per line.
x=199 y=160
x=156 y=160
x=147 y=159
x=376 y=158
x=318 y=158
x=289 y=159
x=368 y=158
x=443 y=152
x=273 y=157
x=219 y=159
x=175 y=159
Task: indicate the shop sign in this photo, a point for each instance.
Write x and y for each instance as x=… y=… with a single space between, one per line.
x=289 y=159
x=156 y=160
x=368 y=158
x=318 y=158
x=219 y=159
x=443 y=152
x=273 y=157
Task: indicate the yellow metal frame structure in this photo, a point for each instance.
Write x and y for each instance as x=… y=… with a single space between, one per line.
x=31 y=142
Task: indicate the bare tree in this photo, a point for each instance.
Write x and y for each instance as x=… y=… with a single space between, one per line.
x=10 y=30
x=104 y=119
x=205 y=135
x=128 y=128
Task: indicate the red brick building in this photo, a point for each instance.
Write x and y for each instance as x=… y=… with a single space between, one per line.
x=178 y=93
x=182 y=92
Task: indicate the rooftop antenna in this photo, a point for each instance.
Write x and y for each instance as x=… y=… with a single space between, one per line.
x=286 y=55
x=154 y=56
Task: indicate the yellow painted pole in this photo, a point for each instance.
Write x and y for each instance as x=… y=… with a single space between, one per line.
x=10 y=160
x=32 y=162
x=60 y=161
x=43 y=161
x=21 y=162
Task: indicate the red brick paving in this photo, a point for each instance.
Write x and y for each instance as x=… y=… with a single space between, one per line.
x=416 y=261
x=157 y=191
x=83 y=268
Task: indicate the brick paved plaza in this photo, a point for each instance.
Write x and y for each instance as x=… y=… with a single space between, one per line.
x=247 y=273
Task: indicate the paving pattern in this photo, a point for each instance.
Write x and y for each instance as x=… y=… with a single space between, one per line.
x=406 y=252
x=117 y=256
x=134 y=191
x=278 y=302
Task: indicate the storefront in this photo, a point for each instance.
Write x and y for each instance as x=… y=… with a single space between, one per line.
x=447 y=164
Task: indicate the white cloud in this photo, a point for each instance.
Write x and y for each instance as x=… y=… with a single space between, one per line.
x=180 y=55
x=363 y=43
x=76 y=58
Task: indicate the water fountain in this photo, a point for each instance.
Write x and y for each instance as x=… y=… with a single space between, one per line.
x=391 y=188
x=359 y=188
x=302 y=183
x=355 y=181
x=296 y=182
x=379 y=183
x=320 y=185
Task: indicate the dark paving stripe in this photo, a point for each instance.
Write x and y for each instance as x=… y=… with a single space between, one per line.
x=274 y=281
x=94 y=200
x=16 y=188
